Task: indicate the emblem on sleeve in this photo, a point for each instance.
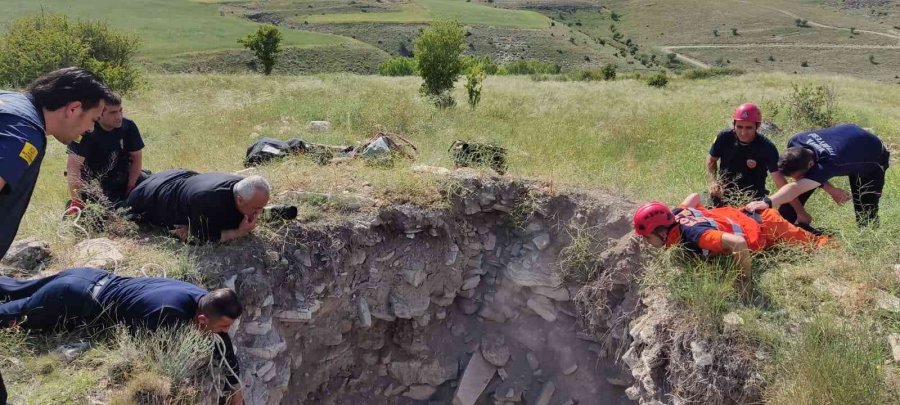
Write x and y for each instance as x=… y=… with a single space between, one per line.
x=28 y=153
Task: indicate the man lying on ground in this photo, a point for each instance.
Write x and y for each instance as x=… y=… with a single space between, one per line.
x=214 y=207
x=81 y=296
x=719 y=231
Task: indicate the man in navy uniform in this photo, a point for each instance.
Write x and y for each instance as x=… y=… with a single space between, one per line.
x=111 y=155
x=63 y=103
x=82 y=296
x=209 y=207
x=814 y=157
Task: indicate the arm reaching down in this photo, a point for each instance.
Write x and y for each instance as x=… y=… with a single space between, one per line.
x=691 y=201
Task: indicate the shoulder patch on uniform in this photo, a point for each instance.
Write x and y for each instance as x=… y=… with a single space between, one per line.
x=2 y=102
x=28 y=153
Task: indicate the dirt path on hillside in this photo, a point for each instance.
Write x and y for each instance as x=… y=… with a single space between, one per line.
x=698 y=63
x=820 y=25
x=764 y=45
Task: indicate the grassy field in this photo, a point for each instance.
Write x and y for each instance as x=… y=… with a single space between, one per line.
x=625 y=136
x=642 y=142
x=166 y=27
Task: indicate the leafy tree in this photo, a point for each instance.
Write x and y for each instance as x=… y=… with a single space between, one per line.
x=265 y=44
x=437 y=53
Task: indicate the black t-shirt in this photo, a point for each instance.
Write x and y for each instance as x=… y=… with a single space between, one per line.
x=105 y=153
x=205 y=202
x=745 y=165
x=22 y=146
x=155 y=302
x=840 y=151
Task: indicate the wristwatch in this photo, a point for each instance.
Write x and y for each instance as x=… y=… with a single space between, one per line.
x=768 y=201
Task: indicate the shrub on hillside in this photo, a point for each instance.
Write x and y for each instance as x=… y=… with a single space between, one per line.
x=437 y=54
x=658 y=80
x=811 y=106
x=39 y=44
x=530 y=67
x=706 y=73
x=609 y=71
x=265 y=44
x=485 y=62
x=398 y=66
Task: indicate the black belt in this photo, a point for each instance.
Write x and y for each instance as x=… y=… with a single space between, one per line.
x=95 y=290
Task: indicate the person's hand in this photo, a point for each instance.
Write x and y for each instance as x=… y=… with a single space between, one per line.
x=181 y=231
x=839 y=195
x=73 y=208
x=248 y=224
x=716 y=190
x=756 y=206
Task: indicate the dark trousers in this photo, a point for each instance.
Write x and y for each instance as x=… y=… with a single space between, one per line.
x=866 y=190
x=61 y=300
x=2 y=391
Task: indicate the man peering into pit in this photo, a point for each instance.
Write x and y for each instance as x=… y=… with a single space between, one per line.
x=719 y=231
x=87 y=296
x=213 y=207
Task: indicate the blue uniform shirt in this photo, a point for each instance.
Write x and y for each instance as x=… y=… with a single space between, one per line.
x=841 y=151
x=23 y=142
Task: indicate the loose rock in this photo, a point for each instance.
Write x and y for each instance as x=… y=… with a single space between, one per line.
x=475 y=379
x=27 y=254
x=542 y=306
x=494 y=350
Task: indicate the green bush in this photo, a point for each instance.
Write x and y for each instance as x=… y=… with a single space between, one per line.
x=811 y=106
x=659 y=80
x=485 y=62
x=265 y=44
x=706 y=73
x=437 y=54
x=398 y=66
x=609 y=71
x=474 y=80
x=530 y=67
x=36 y=45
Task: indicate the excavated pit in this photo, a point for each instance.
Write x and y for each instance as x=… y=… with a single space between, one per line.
x=462 y=304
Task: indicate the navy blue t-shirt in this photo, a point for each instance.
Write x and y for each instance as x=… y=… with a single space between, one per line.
x=745 y=165
x=841 y=151
x=156 y=302
x=104 y=151
x=23 y=142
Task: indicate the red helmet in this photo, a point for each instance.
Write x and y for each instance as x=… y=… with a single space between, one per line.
x=747 y=112
x=650 y=216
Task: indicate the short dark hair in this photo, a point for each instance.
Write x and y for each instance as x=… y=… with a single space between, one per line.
x=113 y=99
x=221 y=302
x=62 y=86
x=795 y=160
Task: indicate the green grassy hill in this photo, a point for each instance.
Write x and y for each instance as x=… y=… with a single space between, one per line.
x=357 y=35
